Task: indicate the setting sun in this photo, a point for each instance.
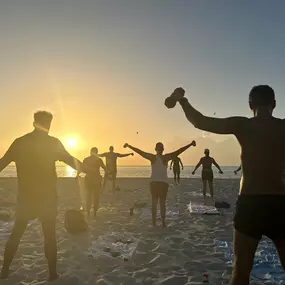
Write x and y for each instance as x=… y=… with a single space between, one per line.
x=71 y=142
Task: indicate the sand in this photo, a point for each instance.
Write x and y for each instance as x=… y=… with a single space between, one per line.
x=123 y=249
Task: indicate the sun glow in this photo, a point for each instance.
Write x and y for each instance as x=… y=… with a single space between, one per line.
x=71 y=142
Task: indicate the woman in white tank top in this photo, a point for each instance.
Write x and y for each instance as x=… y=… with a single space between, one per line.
x=159 y=179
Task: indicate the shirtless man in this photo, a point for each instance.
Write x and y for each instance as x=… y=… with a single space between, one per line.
x=35 y=155
x=111 y=164
x=159 y=179
x=175 y=165
x=207 y=172
x=93 y=180
x=261 y=203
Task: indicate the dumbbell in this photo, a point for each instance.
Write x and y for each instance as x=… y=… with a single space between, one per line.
x=178 y=93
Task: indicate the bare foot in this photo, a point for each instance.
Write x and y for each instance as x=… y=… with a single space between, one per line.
x=53 y=277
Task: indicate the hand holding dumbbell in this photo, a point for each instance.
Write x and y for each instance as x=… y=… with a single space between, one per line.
x=177 y=95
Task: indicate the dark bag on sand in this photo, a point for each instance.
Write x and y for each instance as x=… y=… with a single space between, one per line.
x=75 y=222
x=222 y=205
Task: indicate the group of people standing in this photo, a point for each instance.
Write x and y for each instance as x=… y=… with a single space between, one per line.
x=260 y=205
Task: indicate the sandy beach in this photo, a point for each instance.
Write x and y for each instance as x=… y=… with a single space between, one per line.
x=120 y=249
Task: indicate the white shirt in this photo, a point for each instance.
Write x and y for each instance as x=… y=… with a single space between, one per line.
x=159 y=170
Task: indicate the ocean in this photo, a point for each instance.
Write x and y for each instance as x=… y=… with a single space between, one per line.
x=136 y=171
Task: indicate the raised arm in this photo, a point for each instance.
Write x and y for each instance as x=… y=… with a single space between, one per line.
x=224 y=126
x=102 y=154
x=64 y=156
x=173 y=155
x=217 y=165
x=238 y=170
x=145 y=155
x=180 y=161
x=124 y=155
x=197 y=166
x=8 y=157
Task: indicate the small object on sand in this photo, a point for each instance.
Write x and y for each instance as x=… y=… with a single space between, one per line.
x=115 y=254
x=206 y=277
x=106 y=249
x=131 y=211
x=118 y=188
x=137 y=133
x=81 y=208
x=125 y=259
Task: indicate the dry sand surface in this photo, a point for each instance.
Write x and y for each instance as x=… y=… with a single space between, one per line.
x=120 y=249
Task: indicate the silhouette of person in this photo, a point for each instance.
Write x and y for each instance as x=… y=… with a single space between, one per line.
x=207 y=172
x=111 y=164
x=159 y=179
x=261 y=202
x=35 y=155
x=175 y=165
x=93 y=180
x=237 y=170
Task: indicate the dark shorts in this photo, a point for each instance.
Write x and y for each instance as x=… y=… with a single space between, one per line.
x=158 y=189
x=93 y=184
x=176 y=170
x=207 y=175
x=258 y=215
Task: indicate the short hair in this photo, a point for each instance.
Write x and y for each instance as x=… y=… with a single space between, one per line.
x=94 y=149
x=261 y=95
x=159 y=145
x=43 y=118
x=111 y=147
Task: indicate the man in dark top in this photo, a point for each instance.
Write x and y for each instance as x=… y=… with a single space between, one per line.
x=35 y=155
x=207 y=172
x=93 y=179
x=175 y=165
x=111 y=164
x=261 y=203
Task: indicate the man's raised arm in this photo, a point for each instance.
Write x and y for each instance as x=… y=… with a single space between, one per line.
x=8 y=157
x=218 y=166
x=125 y=155
x=173 y=155
x=64 y=156
x=102 y=154
x=197 y=166
x=145 y=155
x=214 y=125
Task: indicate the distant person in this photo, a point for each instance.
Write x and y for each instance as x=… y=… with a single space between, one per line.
x=207 y=172
x=175 y=165
x=35 y=155
x=237 y=171
x=261 y=203
x=159 y=179
x=111 y=164
x=93 y=180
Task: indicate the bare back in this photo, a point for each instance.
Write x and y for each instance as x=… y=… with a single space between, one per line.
x=262 y=143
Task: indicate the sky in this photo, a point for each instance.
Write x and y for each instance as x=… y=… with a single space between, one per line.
x=104 y=68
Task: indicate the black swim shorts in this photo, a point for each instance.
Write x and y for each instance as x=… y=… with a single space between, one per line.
x=207 y=175
x=258 y=215
x=158 y=189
